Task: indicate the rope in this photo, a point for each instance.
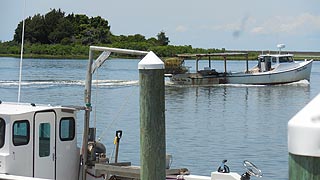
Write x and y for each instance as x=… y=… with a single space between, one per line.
x=117 y=114
x=92 y=175
x=111 y=155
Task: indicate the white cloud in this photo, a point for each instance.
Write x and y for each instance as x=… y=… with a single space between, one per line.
x=228 y=27
x=303 y=23
x=257 y=30
x=181 y=28
x=299 y=24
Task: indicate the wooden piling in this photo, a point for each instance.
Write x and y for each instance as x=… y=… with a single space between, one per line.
x=247 y=63
x=304 y=167
x=304 y=143
x=152 y=118
x=225 y=64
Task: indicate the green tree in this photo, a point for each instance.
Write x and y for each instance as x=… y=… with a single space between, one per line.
x=52 y=20
x=152 y=41
x=35 y=30
x=18 y=31
x=136 y=38
x=163 y=40
x=63 y=30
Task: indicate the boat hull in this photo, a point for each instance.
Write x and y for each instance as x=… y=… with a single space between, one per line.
x=301 y=72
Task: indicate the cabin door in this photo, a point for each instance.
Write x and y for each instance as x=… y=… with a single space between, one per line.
x=44 y=145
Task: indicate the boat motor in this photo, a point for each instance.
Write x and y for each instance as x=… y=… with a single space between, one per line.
x=223 y=168
x=252 y=170
x=97 y=153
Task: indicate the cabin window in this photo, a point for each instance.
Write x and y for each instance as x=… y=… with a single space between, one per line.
x=274 y=59
x=67 y=129
x=44 y=139
x=285 y=59
x=21 y=133
x=2 y=132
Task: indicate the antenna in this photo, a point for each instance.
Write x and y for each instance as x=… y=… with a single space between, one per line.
x=21 y=54
x=280 y=46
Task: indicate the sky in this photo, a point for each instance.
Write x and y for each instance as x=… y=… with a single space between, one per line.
x=230 y=24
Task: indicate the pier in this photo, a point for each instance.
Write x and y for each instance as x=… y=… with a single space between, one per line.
x=125 y=171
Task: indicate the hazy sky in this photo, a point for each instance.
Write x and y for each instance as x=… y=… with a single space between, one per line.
x=230 y=24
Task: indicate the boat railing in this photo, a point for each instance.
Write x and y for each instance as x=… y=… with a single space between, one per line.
x=199 y=57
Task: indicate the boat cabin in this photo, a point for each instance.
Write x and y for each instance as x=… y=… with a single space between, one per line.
x=269 y=62
x=38 y=141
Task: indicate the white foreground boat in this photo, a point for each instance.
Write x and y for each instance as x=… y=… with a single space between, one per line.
x=271 y=69
x=38 y=141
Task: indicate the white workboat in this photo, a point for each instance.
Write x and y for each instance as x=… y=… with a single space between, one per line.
x=271 y=69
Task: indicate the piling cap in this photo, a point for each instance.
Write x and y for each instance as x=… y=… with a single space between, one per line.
x=304 y=130
x=151 y=61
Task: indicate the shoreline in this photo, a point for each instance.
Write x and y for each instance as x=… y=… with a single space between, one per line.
x=297 y=56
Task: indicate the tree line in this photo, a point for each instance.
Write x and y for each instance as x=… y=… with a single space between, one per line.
x=57 y=34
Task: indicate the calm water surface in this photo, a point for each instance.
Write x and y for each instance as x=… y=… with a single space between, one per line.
x=204 y=125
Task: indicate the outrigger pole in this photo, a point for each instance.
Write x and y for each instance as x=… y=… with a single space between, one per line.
x=92 y=66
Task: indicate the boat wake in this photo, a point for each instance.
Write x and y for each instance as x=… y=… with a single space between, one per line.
x=120 y=83
x=301 y=83
x=49 y=83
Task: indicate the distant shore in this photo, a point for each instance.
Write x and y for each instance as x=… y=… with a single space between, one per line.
x=298 y=55
x=45 y=56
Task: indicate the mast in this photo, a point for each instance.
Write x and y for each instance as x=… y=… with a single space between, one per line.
x=21 y=53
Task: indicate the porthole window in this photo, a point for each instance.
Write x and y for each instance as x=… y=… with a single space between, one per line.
x=2 y=132
x=67 y=129
x=21 y=133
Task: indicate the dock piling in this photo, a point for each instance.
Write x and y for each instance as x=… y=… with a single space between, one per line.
x=304 y=143
x=152 y=118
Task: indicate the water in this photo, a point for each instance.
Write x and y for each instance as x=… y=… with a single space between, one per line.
x=204 y=125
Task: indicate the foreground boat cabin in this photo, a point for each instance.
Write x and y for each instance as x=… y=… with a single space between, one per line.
x=38 y=141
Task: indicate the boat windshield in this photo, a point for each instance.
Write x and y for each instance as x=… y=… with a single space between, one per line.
x=285 y=59
x=2 y=132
